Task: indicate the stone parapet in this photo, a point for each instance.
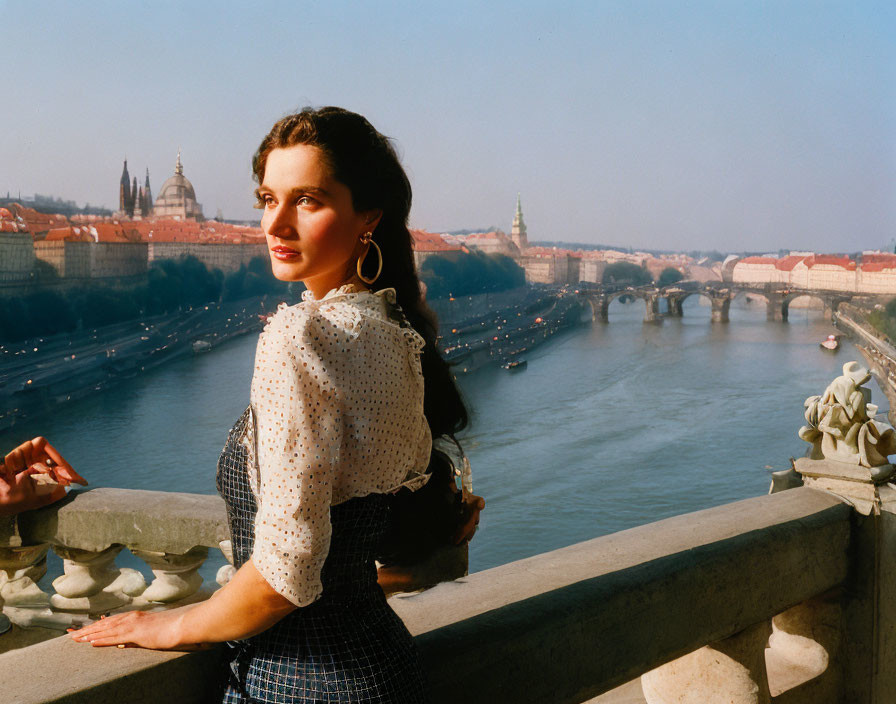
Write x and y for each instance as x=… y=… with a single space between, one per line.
x=94 y=519
x=559 y=627
x=170 y=532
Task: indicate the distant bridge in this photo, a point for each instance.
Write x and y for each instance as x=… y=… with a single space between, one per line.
x=720 y=294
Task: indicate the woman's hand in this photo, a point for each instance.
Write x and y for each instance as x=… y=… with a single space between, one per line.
x=244 y=607
x=158 y=630
x=471 y=506
x=41 y=455
x=20 y=491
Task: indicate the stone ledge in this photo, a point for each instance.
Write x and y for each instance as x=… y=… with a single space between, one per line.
x=94 y=519
x=570 y=624
x=560 y=627
x=62 y=671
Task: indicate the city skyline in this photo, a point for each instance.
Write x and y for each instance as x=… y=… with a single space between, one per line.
x=641 y=124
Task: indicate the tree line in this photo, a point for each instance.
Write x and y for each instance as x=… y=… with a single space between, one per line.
x=884 y=319
x=173 y=285
x=466 y=273
x=170 y=285
x=628 y=274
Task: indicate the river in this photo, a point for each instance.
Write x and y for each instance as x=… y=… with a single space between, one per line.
x=610 y=426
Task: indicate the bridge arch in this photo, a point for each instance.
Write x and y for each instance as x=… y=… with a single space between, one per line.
x=650 y=298
x=719 y=303
x=803 y=300
x=675 y=300
x=747 y=294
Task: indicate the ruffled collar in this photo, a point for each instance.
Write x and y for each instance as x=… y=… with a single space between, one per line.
x=349 y=289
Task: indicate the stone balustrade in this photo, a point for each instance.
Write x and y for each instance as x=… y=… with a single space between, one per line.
x=769 y=599
x=170 y=532
x=777 y=599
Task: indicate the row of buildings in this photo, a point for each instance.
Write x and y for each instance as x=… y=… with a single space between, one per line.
x=870 y=273
x=83 y=248
x=42 y=248
x=37 y=247
x=553 y=265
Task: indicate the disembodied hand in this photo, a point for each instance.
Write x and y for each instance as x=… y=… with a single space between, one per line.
x=22 y=473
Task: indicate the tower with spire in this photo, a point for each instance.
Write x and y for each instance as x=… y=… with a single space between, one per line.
x=518 y=230
x=133 y=199
x=146 y=197
x=126 y=196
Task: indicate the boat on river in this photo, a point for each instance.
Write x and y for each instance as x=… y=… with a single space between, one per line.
x=516 y=365
x=832 y=343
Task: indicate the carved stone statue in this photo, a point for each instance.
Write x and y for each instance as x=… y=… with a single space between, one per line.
x=841 y=423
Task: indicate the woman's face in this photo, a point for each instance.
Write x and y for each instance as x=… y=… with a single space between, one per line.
x=313 y=231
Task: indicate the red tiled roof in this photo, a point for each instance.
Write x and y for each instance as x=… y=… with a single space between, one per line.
x=870 y=267
x=68 y=234
x=126 y=230
x=110 y=232
x=831 y=260
x=878 y=258
x=424 y=241
x=59 y=233
x=787 y=263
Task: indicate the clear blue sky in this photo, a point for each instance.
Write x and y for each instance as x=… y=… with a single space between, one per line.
x=682 y=125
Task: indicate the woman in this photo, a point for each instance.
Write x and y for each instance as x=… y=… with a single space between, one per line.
x=347 y=394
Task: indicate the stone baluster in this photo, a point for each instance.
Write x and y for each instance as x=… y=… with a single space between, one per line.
x=23 y=601
x=803 y=653
x=177 y=576
x=731 y=671
x=20 y=569
x=91 y=582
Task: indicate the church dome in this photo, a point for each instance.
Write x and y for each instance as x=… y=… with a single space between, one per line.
x=176 y=189
x=177 y=199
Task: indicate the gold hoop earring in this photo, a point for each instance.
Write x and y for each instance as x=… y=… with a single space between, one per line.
x=367 y=239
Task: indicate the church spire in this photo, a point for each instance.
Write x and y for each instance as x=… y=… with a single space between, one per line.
x=146 y=200
x=125 y=204
x=518 y=231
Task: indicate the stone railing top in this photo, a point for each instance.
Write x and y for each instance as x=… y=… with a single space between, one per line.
x=558 y=627
x=94 y=519
x=521 y=580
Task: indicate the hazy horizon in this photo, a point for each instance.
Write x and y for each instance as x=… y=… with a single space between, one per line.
x=651 y=125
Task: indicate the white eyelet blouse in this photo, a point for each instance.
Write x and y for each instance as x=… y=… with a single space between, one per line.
x=338 y=399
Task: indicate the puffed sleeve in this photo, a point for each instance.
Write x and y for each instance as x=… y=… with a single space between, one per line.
x=299 y=431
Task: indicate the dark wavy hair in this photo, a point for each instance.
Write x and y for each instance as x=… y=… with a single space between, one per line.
x=365 y=161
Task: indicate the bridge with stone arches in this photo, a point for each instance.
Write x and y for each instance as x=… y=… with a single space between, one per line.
x=720 y=294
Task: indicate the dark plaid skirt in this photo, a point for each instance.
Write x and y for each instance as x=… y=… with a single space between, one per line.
x=348 y=646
